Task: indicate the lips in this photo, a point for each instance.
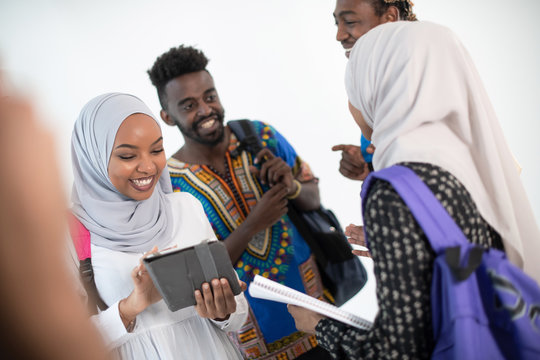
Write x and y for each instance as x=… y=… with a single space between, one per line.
x=208 y=124
x=348 y=47
x=142 y=184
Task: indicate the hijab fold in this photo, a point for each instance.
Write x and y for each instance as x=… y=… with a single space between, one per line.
x=418 y=89
x=115 y=221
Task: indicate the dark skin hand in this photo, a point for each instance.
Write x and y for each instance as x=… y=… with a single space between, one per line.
x=273 y=204
x=216 y=303
x=275 y=170
x=352 y=164
x=143 y=295
x=271 y=207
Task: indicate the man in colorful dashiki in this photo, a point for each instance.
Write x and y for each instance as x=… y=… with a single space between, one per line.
x=245 y=197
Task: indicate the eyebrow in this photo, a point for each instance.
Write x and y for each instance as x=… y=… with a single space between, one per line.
x=343 y=13
x=183 y=101
x=129 y=146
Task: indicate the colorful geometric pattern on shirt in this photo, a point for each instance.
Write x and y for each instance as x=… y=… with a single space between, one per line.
x=270 y=254
x=274 y=267
x=226 y=176
x=403 y=266
x=312 y=278
x=250 y=340
x=233 y=205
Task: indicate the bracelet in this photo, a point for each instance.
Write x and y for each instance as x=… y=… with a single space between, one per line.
x=130 y=324
x=297 y=192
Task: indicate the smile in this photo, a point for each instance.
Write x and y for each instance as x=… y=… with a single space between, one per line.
x=142 y=184
x=208 y=124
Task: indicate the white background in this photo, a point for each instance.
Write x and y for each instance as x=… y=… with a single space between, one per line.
x=276 y=61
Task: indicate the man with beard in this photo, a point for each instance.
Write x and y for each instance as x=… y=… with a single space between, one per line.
x=245 y=198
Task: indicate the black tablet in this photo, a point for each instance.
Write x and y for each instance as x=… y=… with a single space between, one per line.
x=177 y=273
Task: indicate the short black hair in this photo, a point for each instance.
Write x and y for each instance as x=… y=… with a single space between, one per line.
x=404 y=7
x=172 y=64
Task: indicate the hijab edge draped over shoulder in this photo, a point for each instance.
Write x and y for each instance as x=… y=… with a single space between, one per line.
x=115 y=221
x=418 y=89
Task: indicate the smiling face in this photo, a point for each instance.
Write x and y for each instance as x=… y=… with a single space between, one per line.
x=354 y=18
x=193 y=105
x=137 y=159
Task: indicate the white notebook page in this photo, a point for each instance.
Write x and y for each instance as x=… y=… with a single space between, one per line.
x=264 y=288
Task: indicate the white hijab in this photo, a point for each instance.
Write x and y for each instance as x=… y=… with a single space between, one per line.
x=115 y=221
x=419 y=91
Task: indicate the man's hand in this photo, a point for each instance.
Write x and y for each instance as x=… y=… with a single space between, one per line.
x=304 y=319
x=352 y=164
x=271 y=207
x=273 y=170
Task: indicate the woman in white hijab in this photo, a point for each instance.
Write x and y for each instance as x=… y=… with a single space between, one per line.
x=123 y=196
x=415 y=92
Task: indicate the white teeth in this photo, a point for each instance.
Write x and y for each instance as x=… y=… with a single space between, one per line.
x=208 y=124
x=142 y=182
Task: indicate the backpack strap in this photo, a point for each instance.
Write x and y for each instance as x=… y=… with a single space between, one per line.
x=245 y=133
x=81 y=240
x=441 y=230
x=439 y=227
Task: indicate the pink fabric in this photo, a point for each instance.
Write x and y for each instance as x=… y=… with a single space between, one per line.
x=80 y=237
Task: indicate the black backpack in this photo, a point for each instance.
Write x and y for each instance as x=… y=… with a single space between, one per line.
x=341 y=271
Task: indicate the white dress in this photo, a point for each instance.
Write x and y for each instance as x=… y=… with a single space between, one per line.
x=160 y=333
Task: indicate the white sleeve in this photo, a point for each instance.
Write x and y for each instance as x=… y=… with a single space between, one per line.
x=110 y=325
x=238 y=318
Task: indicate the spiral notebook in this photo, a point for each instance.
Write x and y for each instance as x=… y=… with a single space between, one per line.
x=264 y=288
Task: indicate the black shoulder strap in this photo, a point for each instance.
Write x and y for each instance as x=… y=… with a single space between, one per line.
x=245 y=133
x=86 y=273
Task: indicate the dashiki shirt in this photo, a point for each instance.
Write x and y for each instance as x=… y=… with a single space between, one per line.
x=278 y=253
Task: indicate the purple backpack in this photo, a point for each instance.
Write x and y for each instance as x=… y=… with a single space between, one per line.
x=483 y=306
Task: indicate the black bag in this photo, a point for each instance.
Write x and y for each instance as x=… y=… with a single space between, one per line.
x=341 y=271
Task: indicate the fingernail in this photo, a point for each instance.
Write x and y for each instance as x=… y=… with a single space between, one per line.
x=256 y=161
x=206 y=286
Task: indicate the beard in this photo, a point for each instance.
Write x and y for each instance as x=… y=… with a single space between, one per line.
x=193 y=132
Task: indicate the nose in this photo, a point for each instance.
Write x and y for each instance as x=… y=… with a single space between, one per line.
x=146 y=165
x=341 y=34
x=204 y=109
